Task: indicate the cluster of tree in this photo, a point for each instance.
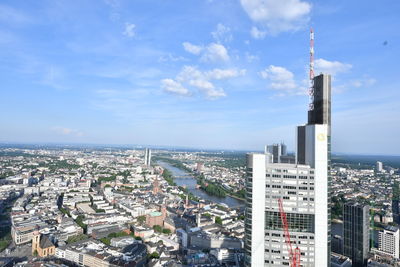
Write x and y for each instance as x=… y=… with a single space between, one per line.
x=337 y=206
x=60 y=164
x=107 y=179
x=167 y=175
x=79 y=221
x=65 y=211
x=107 y=240
x=159 y=229
x=5 y=237
x=76 y=238
x=210 y=188
x=214 y=190
x=240 y=193
x=153 y=255
x=228 y=159
x=6 y=174
x=141 y=219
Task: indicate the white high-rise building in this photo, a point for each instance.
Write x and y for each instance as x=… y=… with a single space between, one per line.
x=389 y=241
x=303 y=189
x=379 y=166
x=147 y=157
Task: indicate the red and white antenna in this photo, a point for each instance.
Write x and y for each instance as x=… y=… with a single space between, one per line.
x=311 y=91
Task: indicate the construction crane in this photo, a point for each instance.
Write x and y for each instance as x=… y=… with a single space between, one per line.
x=294 y=254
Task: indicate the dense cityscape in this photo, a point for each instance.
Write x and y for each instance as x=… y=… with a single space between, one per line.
x=119 y=207
x=203 y=133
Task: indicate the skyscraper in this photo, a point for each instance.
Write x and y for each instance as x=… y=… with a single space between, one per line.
x=379 y=166
x=304 y=189
x=356 y=233
x=389 y=240
x=147 y=157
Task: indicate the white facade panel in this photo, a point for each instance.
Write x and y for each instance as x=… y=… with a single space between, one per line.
x=317 y=157
x=258 y=206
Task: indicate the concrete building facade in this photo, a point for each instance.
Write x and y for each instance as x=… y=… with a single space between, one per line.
x=389 y=241
x=303 y=188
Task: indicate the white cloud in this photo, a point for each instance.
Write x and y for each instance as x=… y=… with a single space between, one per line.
x=331 y=67
x=192 y=77
x=214 y=93
x=279 y=77
x=257 y=34
x=363 y=82
x=251 y=58
x=219 y=74
x=191 y=48
x=215 y=53
x=174 y=87
x=67 y=131
x=129 y=30
x=222 y=33
x=202 y=84
x=278 y=15
x=189 y=73
x=170 y=57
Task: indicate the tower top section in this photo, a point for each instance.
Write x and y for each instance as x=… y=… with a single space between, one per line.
x=311 y=54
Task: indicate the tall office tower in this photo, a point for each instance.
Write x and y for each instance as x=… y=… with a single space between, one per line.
x=389 y=241
x=396 y=202
x=396 y=210
x=147 y=157
x=379 y=166
x=356 y=233
x=277 y=150
x=304 y=189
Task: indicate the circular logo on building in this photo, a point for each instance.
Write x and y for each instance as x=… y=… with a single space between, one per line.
x=321 y=137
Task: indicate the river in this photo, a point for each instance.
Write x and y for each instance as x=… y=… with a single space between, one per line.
x=183 y=178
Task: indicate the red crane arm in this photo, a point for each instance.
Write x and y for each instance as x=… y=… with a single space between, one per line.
x=294 y=256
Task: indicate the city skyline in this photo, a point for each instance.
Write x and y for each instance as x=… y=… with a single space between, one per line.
x=230 y=77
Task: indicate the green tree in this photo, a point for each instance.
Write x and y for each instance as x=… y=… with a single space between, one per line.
x=157 y=228
x=166 y=231
x=154 y=255
x=218 y=220
x=141 y=219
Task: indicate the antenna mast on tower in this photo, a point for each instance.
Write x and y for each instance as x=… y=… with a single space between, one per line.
x=311 y=91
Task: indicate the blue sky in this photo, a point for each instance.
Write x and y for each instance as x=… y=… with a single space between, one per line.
x=201 y=73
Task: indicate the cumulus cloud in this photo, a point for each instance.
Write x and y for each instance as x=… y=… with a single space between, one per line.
x=174 y=87
x=129 y=30
x=278 y=16
x=280 y=78
x=257 y=34
x=215 y=93
x=191 y=48
x=203 y=81
x=219 y=74
x=331 y=67
x=67 y=131
x=222 y=33
x=215 y=53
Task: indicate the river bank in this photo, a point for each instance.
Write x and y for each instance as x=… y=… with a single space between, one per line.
x=186 y=179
